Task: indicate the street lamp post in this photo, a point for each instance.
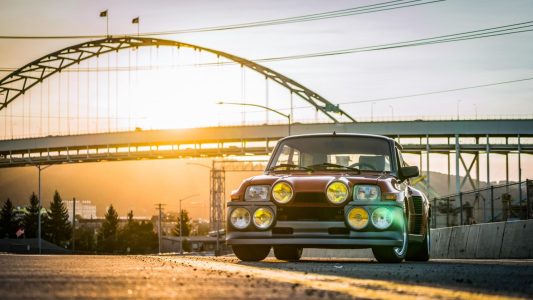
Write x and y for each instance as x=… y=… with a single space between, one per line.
x=40 y=168
x=288 y=116
x=181 y=222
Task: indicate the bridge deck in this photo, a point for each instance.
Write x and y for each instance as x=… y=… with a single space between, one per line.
x=499 y=136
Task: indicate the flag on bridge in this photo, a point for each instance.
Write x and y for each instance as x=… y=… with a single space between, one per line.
x=135 y=21
x=103 y=13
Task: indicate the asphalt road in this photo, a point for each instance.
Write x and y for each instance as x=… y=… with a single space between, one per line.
x=135 y=277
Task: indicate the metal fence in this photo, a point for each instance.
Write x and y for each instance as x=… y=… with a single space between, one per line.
x=491 y=204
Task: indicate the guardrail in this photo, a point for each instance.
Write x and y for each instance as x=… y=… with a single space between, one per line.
x=493 y=203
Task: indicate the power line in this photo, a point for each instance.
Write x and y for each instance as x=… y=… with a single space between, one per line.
x=384 y=6
x=436 y=92
x=412 y=95
x=469 y=35
x=456 y=37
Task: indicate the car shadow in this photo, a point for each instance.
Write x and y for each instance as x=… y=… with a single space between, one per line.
x=487 y=277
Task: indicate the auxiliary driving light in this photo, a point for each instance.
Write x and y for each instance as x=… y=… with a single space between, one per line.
x=357 y=218
x=263 y=218
x=337 y=192
x=382 y=218
x=240 y=218
x=282 y=192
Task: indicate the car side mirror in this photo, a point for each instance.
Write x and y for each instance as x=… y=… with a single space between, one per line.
x=409 y=172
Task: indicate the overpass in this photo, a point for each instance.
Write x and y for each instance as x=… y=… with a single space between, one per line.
x=470 y=136
x=417 y=137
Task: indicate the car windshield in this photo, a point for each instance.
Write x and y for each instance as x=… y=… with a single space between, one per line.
x=332 y=153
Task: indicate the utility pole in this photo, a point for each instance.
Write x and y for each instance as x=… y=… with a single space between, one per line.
x=73 y=224
x=160 y=207
x=181 y=223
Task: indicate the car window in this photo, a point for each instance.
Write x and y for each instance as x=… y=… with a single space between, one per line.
x=364 y=153
x=288 y=155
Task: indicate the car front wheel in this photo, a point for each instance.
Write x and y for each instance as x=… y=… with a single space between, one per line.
x=251 y=253
x=420 y=251
x=385 y=254
x=288 y=253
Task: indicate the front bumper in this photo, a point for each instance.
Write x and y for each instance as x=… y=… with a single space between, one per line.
x=317 y=234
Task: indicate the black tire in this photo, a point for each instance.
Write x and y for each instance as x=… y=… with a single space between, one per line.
x=385 y=254
x=288 y=253
x=251 y=253
x=419 y=251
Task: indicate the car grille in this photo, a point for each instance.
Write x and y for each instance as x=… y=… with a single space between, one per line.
x=310 y=198
x=310 y=207
x=292 y=213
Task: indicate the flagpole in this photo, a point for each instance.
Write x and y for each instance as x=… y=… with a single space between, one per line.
x=107 y=24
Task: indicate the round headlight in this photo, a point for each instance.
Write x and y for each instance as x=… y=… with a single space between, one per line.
x=382 y=218
x=263 y=218
x=282 y=192
x=240 y=218
x=358 y=218
x=337 y=192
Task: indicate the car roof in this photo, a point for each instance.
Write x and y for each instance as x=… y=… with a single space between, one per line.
x=339 y=135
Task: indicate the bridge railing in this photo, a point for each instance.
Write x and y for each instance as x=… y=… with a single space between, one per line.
x=493 y=203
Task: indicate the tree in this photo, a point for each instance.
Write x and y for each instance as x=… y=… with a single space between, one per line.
x=137 y=237
x=7 y=220
x=85 y=239
x=58 y=228
x=184 y=221
x=31 y=219
x=108 y=234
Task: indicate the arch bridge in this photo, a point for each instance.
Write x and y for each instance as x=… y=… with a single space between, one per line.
x=23 y=79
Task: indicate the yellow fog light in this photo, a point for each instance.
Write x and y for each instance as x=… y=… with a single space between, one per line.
x=358 y=218
x=282 y=192
x=382 y=218
x=337 y=192
x=240 y=218
x=263 y=218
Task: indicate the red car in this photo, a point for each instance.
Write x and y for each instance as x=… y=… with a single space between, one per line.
x=331 y=191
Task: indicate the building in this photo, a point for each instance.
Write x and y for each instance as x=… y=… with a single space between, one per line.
x=84 y=208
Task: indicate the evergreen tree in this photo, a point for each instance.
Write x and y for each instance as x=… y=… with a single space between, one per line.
x=31 y=219
x=184 y=221
x=58 y=228
x=108 y=234
x=7 y=220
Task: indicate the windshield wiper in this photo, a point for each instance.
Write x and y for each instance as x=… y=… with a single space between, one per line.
x=330 y=165
x=288 y=167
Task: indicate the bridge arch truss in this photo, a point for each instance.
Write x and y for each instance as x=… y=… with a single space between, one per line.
x=26 y=77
